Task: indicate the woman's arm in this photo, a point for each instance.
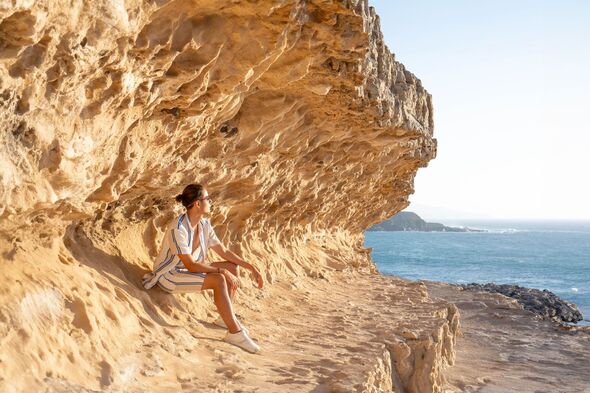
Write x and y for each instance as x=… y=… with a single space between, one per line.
x=231 y=257
x=197 y=267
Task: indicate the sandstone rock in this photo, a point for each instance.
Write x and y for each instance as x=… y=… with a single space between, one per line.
x=295 y=115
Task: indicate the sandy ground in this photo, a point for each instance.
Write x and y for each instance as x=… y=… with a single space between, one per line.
x=507 y=349
x=316 y=336
x=329 y=337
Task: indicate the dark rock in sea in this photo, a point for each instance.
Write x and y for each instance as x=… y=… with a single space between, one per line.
x=541 y=302
x=409 y=221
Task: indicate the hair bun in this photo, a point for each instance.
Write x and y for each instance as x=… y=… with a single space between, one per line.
x=190 y=194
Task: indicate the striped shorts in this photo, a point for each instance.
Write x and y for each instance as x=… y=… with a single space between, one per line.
x=180 y=280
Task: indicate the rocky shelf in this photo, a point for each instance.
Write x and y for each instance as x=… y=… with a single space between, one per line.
x=541 y=302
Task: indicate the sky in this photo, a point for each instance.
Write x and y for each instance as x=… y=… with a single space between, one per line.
x=510 y=83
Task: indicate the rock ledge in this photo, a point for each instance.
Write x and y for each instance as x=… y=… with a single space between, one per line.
x=541 y=302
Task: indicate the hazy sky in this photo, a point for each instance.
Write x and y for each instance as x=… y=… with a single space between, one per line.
x=510 y=82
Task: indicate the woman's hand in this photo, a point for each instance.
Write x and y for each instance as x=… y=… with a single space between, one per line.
x=257 y=277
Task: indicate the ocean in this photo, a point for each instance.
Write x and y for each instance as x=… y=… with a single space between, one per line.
x=553 y=255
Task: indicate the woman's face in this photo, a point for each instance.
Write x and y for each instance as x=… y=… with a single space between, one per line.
x=203 y=204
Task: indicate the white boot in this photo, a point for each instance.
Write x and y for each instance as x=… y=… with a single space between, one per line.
x=242 y=340
x=221 y=323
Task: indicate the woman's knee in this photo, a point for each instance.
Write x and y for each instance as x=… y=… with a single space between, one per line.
x=218 y=280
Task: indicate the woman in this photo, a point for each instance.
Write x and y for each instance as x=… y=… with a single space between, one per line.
x=182 y=267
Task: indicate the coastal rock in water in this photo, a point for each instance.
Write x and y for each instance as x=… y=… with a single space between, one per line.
x=409 y=221
x=295 y=115
x=541 y=302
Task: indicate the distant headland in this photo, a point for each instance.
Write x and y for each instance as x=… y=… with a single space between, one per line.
x=410 y=221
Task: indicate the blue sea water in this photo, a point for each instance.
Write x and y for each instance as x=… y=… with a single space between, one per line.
x=537 y=254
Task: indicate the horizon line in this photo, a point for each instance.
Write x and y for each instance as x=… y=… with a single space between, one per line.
x=498 y=218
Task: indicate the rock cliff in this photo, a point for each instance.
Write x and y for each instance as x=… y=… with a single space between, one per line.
x=294 y=114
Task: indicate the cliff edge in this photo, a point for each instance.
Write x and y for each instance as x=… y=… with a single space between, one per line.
x=294 y=114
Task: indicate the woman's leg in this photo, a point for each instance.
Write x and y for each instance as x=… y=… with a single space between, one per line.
x=233 y=268
x=217 y=283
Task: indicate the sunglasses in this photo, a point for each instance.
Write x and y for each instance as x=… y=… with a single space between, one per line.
x=207 y=198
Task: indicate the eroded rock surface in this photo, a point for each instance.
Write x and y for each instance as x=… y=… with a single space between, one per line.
x=541 y=302
x=504 y=348
x=294 y=114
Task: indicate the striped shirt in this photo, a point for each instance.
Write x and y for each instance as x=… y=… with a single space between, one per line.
x=178 y=239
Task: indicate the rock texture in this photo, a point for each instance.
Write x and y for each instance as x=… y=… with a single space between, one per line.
x=544 y=303
x=504 y=348
x=294 y=114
